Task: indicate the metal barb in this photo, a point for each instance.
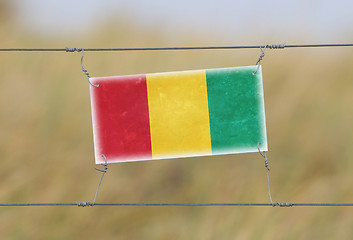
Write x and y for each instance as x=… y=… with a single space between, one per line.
x=263 y=154
x=85 y=71
x=105 y=164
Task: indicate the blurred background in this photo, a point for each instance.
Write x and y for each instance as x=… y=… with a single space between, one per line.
x=46 y=138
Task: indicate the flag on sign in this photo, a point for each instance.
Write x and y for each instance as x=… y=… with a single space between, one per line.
x=178 y=114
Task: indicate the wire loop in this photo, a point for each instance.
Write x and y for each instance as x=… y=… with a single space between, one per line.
x=83 y=69
x=263 y=48
x=263 y=154
x=260 y=59
x=105 y=164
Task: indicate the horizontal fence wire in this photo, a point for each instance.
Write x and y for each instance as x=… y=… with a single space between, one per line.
x=88 y=204
x=271 y=46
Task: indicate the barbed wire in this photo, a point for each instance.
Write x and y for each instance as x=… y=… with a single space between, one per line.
x=269 y=46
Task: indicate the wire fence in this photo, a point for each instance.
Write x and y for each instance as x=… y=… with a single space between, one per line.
x=262 y=47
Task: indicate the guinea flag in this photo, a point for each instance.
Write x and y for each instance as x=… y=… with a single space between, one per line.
x=178 y=114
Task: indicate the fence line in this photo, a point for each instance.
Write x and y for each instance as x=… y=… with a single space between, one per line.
x=88 y=204
x=269 y=46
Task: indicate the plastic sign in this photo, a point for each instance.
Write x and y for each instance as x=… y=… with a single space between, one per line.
x=178 y=114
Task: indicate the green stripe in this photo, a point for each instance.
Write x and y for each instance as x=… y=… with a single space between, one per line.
x=236 y=109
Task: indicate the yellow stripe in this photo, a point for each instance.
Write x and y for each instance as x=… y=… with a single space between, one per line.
x=178 y=111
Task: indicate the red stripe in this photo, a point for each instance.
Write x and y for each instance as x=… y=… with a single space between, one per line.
x=120 y=117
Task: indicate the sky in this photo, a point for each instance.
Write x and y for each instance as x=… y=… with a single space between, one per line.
x=312 y=20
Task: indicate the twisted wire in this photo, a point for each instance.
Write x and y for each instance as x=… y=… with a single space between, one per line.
x=83 y=69
x=263 y=154
x=103 y=172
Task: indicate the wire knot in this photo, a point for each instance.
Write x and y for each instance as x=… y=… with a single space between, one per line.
x=283 y=204
x=68 y=49
x=263 y=154
x=267 y=164
x=260 y=59
x=263 y=48
x=261 y=55
x=276 y=46
x=105 y=164
x=84 y=204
